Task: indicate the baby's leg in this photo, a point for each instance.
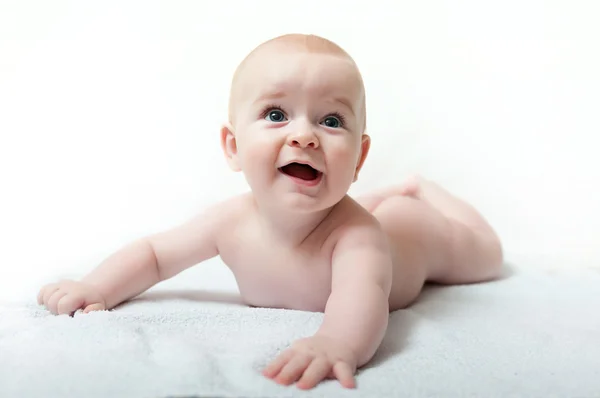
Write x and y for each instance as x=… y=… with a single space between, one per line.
x=435 y=237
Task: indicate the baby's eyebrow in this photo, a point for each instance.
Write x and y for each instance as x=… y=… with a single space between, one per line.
x=344 y=101
x=270 y=95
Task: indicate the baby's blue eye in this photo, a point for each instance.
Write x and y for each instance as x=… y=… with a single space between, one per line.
x=275 y=116
x=332 y=121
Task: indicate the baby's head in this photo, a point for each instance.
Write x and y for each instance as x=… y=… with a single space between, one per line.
x=297 y=122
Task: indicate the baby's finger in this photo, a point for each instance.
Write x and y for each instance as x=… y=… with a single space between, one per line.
x=54 y=299
x=278 y=363
x=69 y=304
x=314 y=374
x=343 y=372
x=293 y=369
x=94 y=307
x=48 y=292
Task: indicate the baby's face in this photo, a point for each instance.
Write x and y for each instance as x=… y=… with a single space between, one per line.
x=298 y=127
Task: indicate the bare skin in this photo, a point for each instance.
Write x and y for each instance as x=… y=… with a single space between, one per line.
x=297 y=240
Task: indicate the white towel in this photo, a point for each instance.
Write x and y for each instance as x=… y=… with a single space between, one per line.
x=533 y=334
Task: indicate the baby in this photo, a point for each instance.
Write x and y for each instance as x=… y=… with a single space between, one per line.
x=296 y=130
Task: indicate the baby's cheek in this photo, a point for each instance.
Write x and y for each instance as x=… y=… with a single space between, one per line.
x=258 y=165
x=256 y=150
x=344 y=158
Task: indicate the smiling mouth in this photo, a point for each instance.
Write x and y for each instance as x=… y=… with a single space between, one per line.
x=301 y=171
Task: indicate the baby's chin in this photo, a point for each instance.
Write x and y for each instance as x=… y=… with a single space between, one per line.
x=305 y=205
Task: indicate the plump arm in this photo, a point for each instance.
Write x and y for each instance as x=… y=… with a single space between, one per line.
x=141 y=264
x=357 y=310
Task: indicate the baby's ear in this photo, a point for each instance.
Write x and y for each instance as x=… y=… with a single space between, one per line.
x=229 y=146
x=365 y=145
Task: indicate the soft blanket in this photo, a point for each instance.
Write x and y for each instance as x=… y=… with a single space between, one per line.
x=535 y=333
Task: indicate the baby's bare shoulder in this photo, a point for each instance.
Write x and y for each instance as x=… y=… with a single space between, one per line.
x=233 y=206
x=229 y=212
x=353 y=224
x=361 y=250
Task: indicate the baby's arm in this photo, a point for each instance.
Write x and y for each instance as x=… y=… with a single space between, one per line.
x=357 y=311
x=138 y=266
x=153 y=259
x=356 y=314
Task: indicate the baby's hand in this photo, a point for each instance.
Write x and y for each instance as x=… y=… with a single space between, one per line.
x=311 y=360
x=66 y=297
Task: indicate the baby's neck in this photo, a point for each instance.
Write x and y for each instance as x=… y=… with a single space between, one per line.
x=290 y=228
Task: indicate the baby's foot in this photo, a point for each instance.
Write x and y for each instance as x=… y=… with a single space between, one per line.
x=413 y=187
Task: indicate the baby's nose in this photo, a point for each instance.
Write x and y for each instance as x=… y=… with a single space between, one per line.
x=303 y=139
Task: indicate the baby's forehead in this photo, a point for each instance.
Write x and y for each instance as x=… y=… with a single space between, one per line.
x=280 y=70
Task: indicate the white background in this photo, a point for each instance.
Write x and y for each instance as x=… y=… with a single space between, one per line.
x=110 y=111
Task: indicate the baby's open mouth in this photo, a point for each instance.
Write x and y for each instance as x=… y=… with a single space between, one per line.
x=301 y=171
